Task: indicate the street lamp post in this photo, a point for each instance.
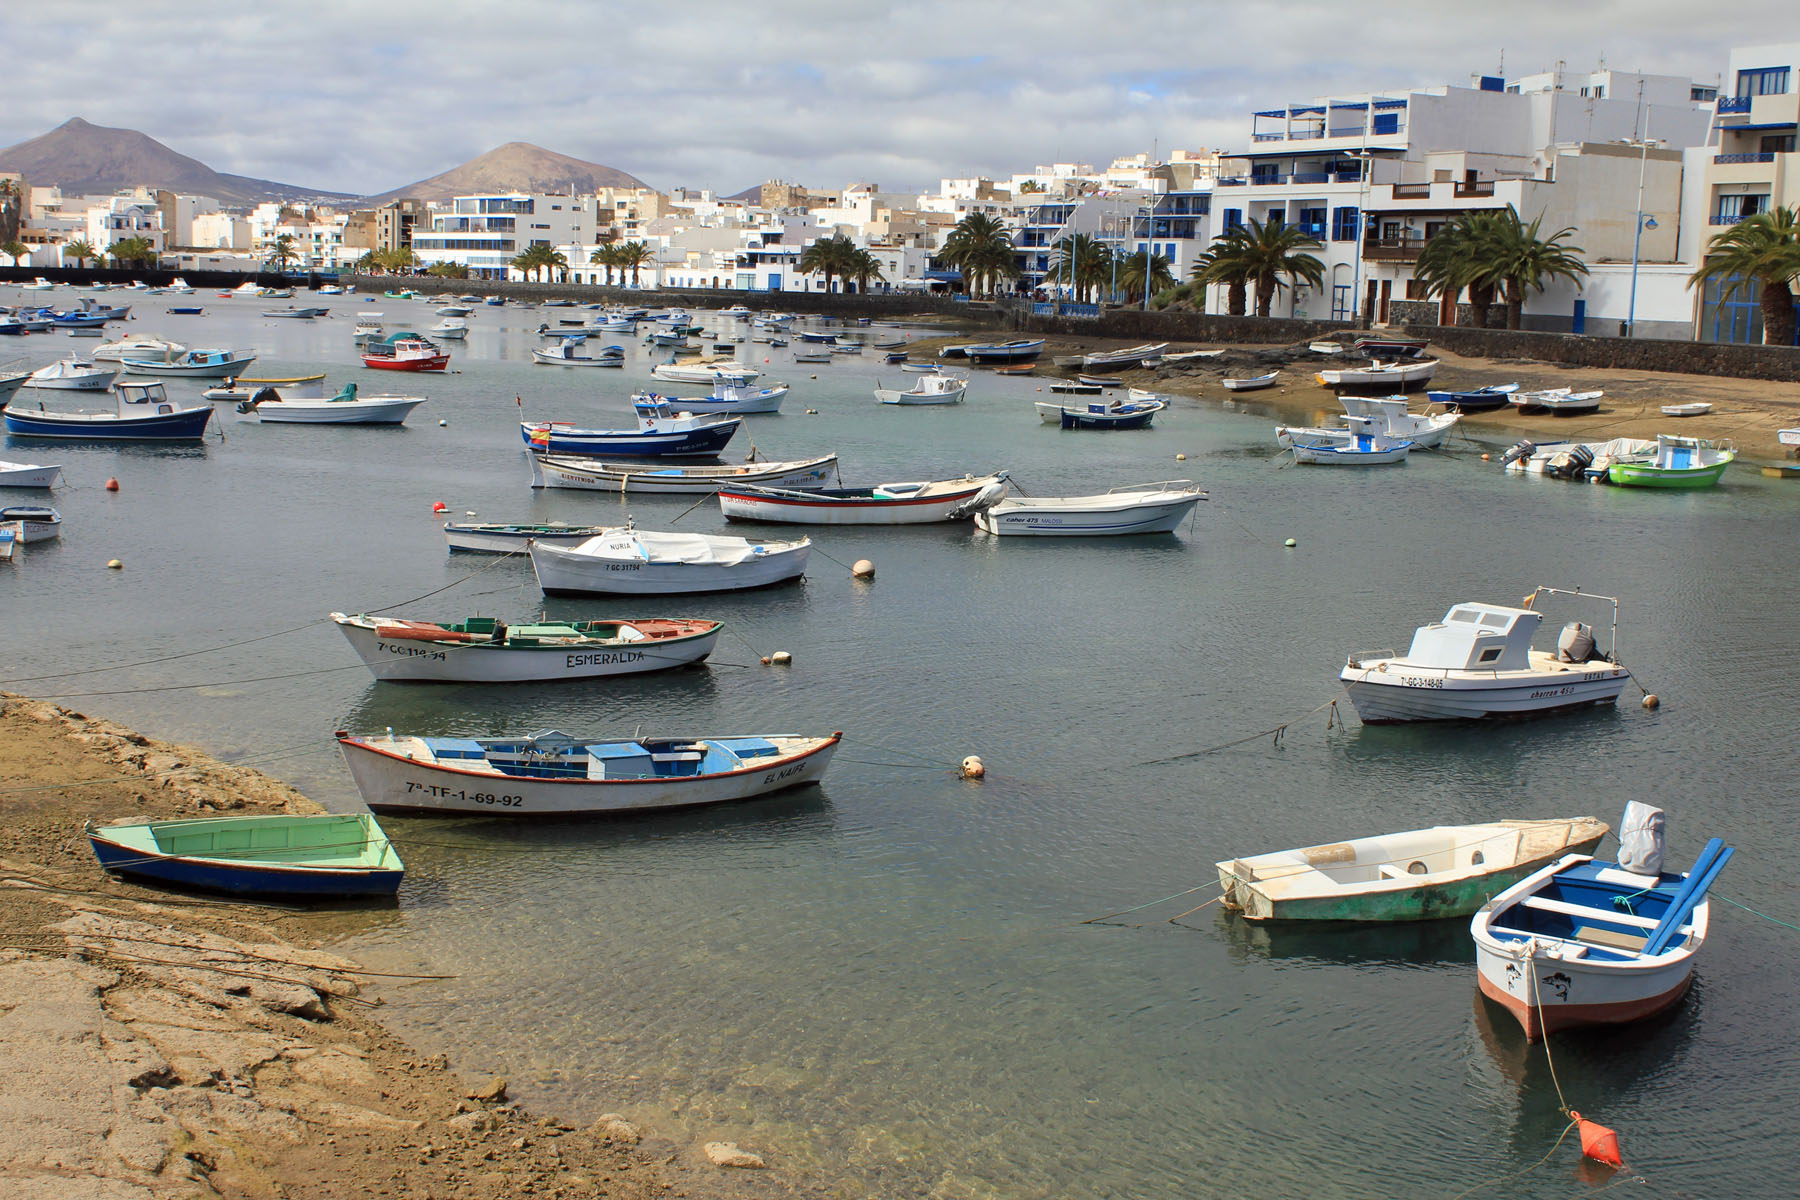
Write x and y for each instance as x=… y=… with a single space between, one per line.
x=1362 y=230
x=1637 y=239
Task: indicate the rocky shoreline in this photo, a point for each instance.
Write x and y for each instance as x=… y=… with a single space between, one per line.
x=156 y=1045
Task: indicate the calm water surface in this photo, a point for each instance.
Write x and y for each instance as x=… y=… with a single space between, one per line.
x=885 y=983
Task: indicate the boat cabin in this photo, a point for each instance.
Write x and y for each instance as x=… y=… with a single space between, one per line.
x=1477 y=637
x=150 y=393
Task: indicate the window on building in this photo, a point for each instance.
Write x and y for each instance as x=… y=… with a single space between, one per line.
x=1703 y=95
x=1234 y=219
x=1312 y=222
x=1344 y=222
x=1778 y=143
x=1416 y=289
x=1764 y=81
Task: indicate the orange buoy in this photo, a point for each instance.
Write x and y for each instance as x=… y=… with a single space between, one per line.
x=1598 y=1142
x=439 y=506
x=112 y=485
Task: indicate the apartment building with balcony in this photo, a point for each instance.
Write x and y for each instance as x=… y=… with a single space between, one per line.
x=485 y=233
x=1754 y=168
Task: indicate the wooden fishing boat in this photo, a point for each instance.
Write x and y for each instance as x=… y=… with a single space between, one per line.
x=1020 y=350
x=1401 y=375
x=1100 y=381
x=281 y=855
x=1588 y=942
x=596 y=475
x=28 y=475
x=1423 y=874
x=1136 y=508
x=32 y=522
x=554 y=774
x=1559 y=402
x=1693 y=408
x=641 y=562
x=1478 y=663
x=1120 y=360
x=499 y=538
x=194 y=364
x=142 y=412
x=661 y=433
x=1481 y=399
x=883 y=504
x=1360 y=444
x=1679 y=462
x=1249 y=383
x=1109 y=414
x=488 y=650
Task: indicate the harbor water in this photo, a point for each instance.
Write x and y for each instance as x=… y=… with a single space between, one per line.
x=891 y=984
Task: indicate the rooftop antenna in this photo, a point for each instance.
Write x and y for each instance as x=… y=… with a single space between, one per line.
x=1501 y=70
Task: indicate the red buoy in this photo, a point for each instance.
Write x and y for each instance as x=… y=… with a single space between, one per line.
x=1598 y=1142
x=439 y=507
x=112 y=485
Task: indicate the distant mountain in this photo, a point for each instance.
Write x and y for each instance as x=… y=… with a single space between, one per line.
x=749 y=195
x=84 y=159
x=514 y=167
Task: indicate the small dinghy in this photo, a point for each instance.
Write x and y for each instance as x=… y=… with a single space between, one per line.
x=493 y=538
x=1375 y=346
x=32 y=522
x=1478 y=664
x=1679 y=462
x=936 y=388
x=596 y=475
x=1249 y=383
x=1481 y=399
x=1694 y=408
x=884 y=504
x=1589 y=942
x=639 y=562
x=1400 y=375
x=1423 y=874
x=1361 y=445
x=1559 y=402
x=1136 y=508
x=555 y=774
x=28 y=475
x=1109 y=414
x=320 y=856
x=488 y=650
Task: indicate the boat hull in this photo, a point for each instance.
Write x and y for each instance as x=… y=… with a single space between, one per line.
x=1617 y=1001
x=1119 y=520
x=595 y=475
x=188 y=425
x=209 y=370
x=823 y=508
x=218 y=874
x=419 y=661
x=1645 y=475
x=562 y=572
x=509 y=539
x=704 y=442
x=372 y=411
x=28 y=475
x=391 y=782
x=1417 y=694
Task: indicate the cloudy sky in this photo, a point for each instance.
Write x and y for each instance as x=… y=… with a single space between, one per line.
x=366 y=95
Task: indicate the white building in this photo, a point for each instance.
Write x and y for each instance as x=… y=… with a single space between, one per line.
x=220 y=231
x=485 y=233
x=122 y=218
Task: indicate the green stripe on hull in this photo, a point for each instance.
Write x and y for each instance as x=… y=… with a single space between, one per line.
x=1431 y=903
x=1639 y=475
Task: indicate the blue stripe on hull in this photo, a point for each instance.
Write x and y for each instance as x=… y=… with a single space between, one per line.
x=247 y=881
x=187 y=427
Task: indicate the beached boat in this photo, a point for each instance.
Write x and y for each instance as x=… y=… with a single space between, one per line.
x=1481 y=399
x=1020 y=350
x=1325 y=347
x=142 y=412
x=1102 y=381
x=194 y=364
x=1399 y=375
x=936 y=388
x=662 y=432
x=960 y=351
x=488 y=650
x=136 y=345
x=28 y=475
x=1419 y=875
x=1377 y=346
x=1359 y=444
x=1478 y=663
x=1135 y=508
x=1106 y=414
x=72 y=375
x=553 y=774
x=323 y=855
x=1578 y=461
x=1393 y=417
x=39 y=284
x=1788 y=437
x=1561 y=402
x=1070 y=387
x=815 y=358
x=884 y=504
x=1589 y=942
x=1121 y=360
x=293 y=313
x=32 y=522
x=595 y=475
x=639 y=562
x=403 y=353
x=1693 y=408
x=726 y=398
x=291 y=387
x=1679 y=462
x=498 y=538
x=1249 y=383
x=1141 y=394
x=272 y=407
x=707 y=370
x=564 y=354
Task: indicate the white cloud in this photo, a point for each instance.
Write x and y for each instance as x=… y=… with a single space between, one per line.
x=354 y=96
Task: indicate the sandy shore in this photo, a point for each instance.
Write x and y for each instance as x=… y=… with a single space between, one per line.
x=1746 y=411
x=155 y=1045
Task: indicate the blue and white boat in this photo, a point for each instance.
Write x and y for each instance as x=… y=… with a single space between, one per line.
x=144 y=413
x=1101 y=414
x=1361 y=445
x=1481 y=399
x=1021 y=350
x=660 y=434
x=733 y=398
x=200 y=364
x=326 y=855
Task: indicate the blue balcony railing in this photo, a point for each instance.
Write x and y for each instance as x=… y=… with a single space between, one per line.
x=1310 y=177
x=1727 y=159
x=1727 y=218
x=1231 y=181
x=1267 y=137
x=1734 y=104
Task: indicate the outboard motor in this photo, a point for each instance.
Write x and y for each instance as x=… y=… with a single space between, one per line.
x=1519 y=453
x=1641 y=839
x=1576 y=645
x=1570 y=464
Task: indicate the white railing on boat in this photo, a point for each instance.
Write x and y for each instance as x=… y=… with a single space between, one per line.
x=1161 y=485
x=1612 y=649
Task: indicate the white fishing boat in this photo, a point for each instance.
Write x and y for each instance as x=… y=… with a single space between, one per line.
x=136 y=345
x=1693 y=408
x=28 y=475
x=1478 y=663
x=1788 y=437
x=566 y=353
x=1181 y=356
x=32 y=522
x=1069 y=387
x=206 y=364
x=487 y=650
x=598 y=475
x=885 y=504
x=1419 y=875
x=454 y=310
x=271 y=407
x=1361 y=445
x=73 y=375
x=291 y=387
x=1589 y=942
x=558 y=775
x=1409 y=373
x=1557 y=401
x=13 y=376
x=726 y=398
x=1135 y=508
x=1120 y=360
x=497 y=538
x=1394 y=417
x=1249 y=383
x=707 y=370
x=455 y=329
x=935 y=388
x=641 y=562
x=1141 y=396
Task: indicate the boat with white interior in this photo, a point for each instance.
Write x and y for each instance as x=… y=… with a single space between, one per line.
x=1131 y=509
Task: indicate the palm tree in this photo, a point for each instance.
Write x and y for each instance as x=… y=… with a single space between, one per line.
x=1271 y=251
x=1761 y=251
x=537 y=257
x=80 y=251
x=281 y=252
x=1133 y=269
x=633 y=255
x=865 y=269
x=1224 y=263
x=1526 y=262
x=15 y=250
x=828 y=257
x=980 y=248
x=606 y=256
x=555 y=260
x=1083 y=263
x=128 y=251
x=366 y=264
x=1454 y=259
x=398 y=260
x=448 y=270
